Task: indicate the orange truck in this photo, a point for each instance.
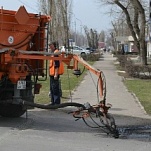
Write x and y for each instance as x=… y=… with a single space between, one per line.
x=23 y=61
x=20 y=31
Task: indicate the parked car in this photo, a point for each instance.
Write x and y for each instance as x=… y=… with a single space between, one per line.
x=80 y=51
x=75 y=50
x=92 y=50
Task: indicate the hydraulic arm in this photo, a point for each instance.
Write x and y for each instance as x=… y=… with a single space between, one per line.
x=17 y=65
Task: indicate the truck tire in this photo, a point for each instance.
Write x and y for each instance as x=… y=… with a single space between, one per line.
x=11 y=110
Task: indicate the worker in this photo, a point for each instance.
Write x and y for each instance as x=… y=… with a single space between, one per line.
x=56 y=68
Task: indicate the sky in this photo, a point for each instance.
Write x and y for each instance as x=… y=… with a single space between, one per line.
x=92 y=14
x=31 y=5
x=85 y=12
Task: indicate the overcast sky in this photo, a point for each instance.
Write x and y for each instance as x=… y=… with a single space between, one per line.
x=92 y=14
x=86 y=12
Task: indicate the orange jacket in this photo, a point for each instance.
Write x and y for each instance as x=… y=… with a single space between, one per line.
x=52 y=66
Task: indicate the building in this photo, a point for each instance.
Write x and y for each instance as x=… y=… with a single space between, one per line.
x=127 y=42
x=101 y=45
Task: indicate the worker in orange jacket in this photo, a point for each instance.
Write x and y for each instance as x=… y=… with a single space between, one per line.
x=56 y=69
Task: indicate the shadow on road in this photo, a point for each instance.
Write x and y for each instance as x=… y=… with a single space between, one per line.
x=60 y=121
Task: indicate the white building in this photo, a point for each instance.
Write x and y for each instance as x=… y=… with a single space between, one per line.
x=128 y=42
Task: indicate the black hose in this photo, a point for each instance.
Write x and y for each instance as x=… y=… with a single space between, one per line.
x=56 y=106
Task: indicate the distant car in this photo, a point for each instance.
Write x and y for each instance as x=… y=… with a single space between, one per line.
x=75 y=50
x=80 y=51
x=91 y=50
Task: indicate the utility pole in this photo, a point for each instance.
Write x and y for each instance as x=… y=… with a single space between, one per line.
x=81 y=26
x=75 y=30
x=150 y=20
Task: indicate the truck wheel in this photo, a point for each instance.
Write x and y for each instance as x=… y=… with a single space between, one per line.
x=11 y=110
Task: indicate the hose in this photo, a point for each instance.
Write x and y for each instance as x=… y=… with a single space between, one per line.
x=56 y=106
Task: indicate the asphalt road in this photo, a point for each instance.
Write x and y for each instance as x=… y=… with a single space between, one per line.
x=56 y=130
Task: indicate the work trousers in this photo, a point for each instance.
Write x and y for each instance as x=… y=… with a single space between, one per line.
x=54 y=90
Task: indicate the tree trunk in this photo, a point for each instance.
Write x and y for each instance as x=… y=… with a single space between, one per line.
x=143 y=47
x=139 y=40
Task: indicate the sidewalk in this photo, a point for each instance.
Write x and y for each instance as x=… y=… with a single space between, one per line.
x=123 y=102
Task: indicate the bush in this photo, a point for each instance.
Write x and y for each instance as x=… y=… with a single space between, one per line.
x=134 y=70
x=122 y=60
x=92 y=57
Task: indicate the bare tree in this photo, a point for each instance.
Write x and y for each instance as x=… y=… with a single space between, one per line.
x=136 y=23
x=102 y=36
x=60 y=23
x=92 y=37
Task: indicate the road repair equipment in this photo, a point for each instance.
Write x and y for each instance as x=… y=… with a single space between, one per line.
x=23 y=61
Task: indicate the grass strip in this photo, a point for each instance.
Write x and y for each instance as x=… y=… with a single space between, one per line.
x=142 y=90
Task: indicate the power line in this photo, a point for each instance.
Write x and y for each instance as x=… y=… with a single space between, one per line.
x=28 y=5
